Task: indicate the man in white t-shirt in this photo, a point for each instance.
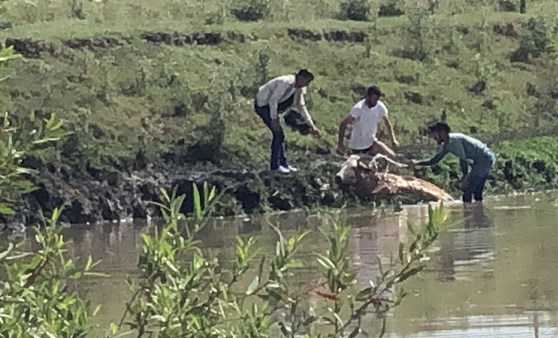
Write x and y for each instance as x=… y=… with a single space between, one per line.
x=365 y=117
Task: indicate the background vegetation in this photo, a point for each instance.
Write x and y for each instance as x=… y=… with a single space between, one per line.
x=171 y=82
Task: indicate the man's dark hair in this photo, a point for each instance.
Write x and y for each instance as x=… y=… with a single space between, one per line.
x=374 y=90
x=439 y=126
x=306 y=73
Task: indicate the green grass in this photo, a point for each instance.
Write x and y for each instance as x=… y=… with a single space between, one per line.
x=122 y=101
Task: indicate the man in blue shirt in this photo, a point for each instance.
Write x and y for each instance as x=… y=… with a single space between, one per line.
x=465 y=148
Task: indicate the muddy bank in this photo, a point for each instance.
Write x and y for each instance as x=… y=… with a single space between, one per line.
x=31 y=48
x=96 y=196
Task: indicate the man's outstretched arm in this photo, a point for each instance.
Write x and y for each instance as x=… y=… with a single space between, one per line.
x=391 y=131
x=301 y=107
x=342 y=128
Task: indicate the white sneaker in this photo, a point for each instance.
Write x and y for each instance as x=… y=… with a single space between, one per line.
x=283 y=170
x=293 y=169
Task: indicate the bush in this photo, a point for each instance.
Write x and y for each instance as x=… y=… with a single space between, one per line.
x=216 y=17
x=250 y=10
x=356 y=10
x=507 y=6
x=17 y=139
x=534 y=42
x=195 y=297
x=421 y=32
x=184 y=291
x=37 y=296
x=390 y=9
x=76 y=10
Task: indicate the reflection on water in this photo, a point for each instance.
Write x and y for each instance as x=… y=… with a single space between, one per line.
x=492 y=274
x=470 y=244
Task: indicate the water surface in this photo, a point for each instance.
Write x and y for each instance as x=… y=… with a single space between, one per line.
x=493 y=274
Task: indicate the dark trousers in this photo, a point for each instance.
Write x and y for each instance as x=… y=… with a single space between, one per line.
x=278 y=137
x=477 y=179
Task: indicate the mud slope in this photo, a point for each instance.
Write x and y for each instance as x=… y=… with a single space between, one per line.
x=106 y=197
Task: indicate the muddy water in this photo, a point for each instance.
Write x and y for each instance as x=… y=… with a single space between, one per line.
x=492 y=274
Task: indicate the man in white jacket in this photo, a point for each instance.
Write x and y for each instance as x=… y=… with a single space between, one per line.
x=281 y=94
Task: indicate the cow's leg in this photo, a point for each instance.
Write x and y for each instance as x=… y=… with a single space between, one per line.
x=380 y=147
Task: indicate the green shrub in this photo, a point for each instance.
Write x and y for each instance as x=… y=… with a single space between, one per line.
x=197 y=297
x=216 y=17
x=535 y=41
x=19 y=137
x=507 y=6
x=423 y=35
x=356 y=10
x=76 y=10
x=390 y=9
x=250 y=10
x=37 y=295
x=183 y=291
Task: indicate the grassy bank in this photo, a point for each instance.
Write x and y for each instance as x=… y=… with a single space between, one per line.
x=171 y=83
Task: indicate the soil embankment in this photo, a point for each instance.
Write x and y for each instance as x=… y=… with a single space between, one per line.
x=94 y=197
x=33 y=48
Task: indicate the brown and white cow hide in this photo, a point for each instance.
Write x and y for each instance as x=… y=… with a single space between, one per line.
x=373 y=180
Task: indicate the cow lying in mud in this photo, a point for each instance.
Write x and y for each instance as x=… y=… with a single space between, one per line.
x=372 y=180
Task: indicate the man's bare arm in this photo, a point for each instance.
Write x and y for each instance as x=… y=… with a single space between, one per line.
x=343 y=127
x=391 y=132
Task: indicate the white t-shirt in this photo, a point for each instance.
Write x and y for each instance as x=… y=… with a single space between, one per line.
x=365 y=125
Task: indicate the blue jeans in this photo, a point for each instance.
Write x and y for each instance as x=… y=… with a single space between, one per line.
x=278 y=137
x=477 y=179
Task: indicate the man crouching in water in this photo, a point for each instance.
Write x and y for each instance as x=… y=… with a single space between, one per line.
x=277 y=96
x=365 y=116
x=464 y=147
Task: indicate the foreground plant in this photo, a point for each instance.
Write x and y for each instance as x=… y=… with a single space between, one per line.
x=18 y=137
x=343 y=294
x=185 y=292
x=38 y=297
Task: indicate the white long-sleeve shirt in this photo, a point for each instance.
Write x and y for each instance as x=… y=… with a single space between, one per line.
x=280 y=89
